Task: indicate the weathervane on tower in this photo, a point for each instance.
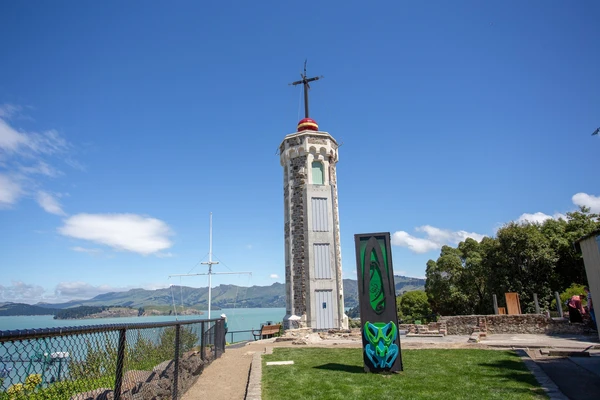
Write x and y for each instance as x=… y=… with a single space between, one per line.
x=305 y=82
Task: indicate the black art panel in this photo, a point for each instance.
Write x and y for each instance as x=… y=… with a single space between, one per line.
x=377 y=299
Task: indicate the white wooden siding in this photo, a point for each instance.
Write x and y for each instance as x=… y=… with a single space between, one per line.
x=590 y=248
x=320 y=222
x=322 y=261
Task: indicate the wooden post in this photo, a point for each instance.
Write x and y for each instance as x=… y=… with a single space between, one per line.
x=495 y=304
x=537 y=304
x=558 y=305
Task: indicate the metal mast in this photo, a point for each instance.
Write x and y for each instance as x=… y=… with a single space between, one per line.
x=210 y=273
x=305 y=82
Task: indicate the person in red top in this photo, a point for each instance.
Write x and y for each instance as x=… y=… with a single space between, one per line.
x=576 y=310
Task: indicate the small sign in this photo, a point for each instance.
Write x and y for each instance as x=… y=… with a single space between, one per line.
x=280 y=362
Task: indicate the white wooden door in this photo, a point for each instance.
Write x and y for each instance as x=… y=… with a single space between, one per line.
x=324 y=306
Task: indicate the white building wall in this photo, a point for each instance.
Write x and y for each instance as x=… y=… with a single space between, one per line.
x=590 y=248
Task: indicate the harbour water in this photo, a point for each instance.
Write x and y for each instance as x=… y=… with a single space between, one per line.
x=238 y=319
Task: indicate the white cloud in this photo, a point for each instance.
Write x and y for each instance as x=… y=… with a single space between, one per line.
x=30 y=143
x=8 y=110
x=40 y=168
x=587 y=200
x=129 y=232
x=415 y=244
x=249 y=246
x=154 y=286
x=434 y=240
x=49 y=203
x=19 y=292
x=447 y=236
x=10 y=139
x=10 y=190
x=539 y=217
x=579 y=199
x=24 y=155
x=274 y=276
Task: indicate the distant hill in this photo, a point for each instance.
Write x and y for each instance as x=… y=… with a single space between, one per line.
x=223 y=296
x=13 y=309
x=407 y=284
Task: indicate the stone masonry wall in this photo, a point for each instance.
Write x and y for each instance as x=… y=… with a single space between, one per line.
x=522 y=323
x=298 y=229
x=317 y=140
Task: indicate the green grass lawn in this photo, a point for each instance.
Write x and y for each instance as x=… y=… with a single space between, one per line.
x=320 y=373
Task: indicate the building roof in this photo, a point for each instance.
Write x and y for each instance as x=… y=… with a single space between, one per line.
x=589 y=235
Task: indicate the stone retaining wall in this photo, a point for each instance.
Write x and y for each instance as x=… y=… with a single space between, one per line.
x=158 y=383
x=522 y=323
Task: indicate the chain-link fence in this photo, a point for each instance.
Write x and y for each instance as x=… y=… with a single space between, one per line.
x=123 y=361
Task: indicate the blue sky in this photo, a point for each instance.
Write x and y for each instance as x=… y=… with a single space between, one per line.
x=123 y=125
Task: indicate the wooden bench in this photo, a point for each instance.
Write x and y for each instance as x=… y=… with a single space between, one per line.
x=267 y=331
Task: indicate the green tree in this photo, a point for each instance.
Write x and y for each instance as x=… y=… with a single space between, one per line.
x=457 y=283
x=523 y=261
x=574 y=289
x=526 y=258
x=563 y=234
x=415 y=305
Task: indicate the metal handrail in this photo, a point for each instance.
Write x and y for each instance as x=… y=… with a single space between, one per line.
x=232 y=332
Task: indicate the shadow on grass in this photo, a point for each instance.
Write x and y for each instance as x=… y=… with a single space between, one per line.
x=512 y=369
x=353 y=369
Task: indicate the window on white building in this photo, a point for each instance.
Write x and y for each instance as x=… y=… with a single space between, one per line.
x=317 y=173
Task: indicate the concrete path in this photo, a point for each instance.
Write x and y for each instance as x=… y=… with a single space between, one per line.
x=578 y=378
x=235 y=376
x=226 y=377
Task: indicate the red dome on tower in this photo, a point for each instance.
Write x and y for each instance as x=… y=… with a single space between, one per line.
x=307 y=124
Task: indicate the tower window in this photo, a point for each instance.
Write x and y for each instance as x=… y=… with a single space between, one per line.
x=317 y=173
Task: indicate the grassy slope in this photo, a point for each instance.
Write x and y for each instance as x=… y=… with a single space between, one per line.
x=320 y=373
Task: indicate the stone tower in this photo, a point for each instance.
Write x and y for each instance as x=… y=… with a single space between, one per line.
x=313 y=262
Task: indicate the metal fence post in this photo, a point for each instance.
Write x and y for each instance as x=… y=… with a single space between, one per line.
x=202 y=354
x=215 y=339
x=176 y=362
x=120 y=362
x=558 y=305
x=495 y=304
x=537 y=304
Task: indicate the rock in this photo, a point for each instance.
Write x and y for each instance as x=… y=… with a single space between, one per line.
x=154 y=391
x=131 y=379
x=97 y=394
x=284 y=339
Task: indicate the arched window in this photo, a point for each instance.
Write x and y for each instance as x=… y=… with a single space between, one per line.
x=317 y=173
